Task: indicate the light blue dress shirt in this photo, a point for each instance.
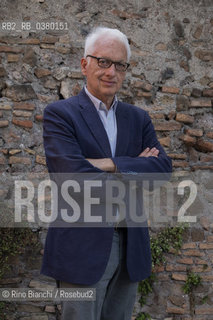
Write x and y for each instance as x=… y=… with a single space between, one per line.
x=108 y=118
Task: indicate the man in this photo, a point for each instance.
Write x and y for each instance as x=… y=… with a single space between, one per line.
x=94 y=132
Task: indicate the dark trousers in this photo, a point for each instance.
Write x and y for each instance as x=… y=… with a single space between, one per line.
x=115 y=293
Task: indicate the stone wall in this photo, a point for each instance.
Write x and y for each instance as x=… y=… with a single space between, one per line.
x=170 y=76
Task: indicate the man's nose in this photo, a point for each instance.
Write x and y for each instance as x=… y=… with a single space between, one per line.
x=111 y=70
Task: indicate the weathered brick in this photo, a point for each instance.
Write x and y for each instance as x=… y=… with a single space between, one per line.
x=204 y=146
x=161 y=46
x=3 y=72
x=180 y=164
x=30 y=57
x=159 y=268
x=4 y=123
x=14 y=151
x=50 y=309
x=20 y=113
x=190 y=245
x=30 y=151
x=194 y=132
x=210 y=239
x=179 y=276
x=177 y=300
x=208 y=93
x=198 y=269
x=47 y=98
x=144 y=94
x=201 y=103
x=39 y=117
x=175 y=267
x=4 y=151
x=41 y=72
x=171 y=115
x=47 y=46
x=10 y=49
x=209 y=134
x=75 y=75
x=14 y=280
x=50 y=84
x=206 y=158
x=65 y=39
x=126 y=15
x=19 y=160
x=198 y=32
x=41 y=160
x=24 y=106
x=63 y=50
x=200 y=261
x=177 y=156
x=146 y=86
x=49 y=39
x=20 y=92
x=188 y=139
x=204 y=55
x=186 y=92
x=175 y=310
x=29 y=41
x=167 y=126
x=170 y=90
x=207 y=278
x=201 y=167
x=5 y=107
x=196 y=93
x=204 y=310
x=166 y=142
x=185 y=261
x=186 y=118
x=156 y=115
x=23 y=123
x=193 y=154
x=13 y=57
x=193 y=253
x=2 y=160
x=206 y=246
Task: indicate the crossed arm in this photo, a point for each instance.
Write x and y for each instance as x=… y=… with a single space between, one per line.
x=106 y=164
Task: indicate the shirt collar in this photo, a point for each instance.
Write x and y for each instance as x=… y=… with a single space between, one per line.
x=99 y=104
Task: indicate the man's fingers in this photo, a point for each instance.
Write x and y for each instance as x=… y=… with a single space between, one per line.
x=149 y=152
x=144 y=152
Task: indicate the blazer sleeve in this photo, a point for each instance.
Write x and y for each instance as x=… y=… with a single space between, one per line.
x=160 y=164
x=62 y=150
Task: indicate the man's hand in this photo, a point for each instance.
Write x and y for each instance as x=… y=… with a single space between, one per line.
x=149 y=153
x=105 y=164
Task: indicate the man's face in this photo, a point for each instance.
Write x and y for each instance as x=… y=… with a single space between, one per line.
x=104 y=83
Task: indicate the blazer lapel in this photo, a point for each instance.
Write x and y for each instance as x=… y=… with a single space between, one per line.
x=91 y=117
x=122 y=130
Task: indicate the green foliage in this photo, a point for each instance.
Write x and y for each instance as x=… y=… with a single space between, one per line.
x=13 y=241
x=204 y=299
x=145 y=287
x=143 y=316
x=192 y=282
x=165 y=240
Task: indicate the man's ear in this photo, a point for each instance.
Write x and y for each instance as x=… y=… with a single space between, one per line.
x=83 y=66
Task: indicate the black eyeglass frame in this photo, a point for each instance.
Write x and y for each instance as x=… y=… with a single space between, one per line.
x=116 y=63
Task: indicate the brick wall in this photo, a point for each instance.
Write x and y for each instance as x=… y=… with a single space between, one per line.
x=170 y=77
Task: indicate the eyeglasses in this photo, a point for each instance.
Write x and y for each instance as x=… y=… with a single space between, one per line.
x=106 y=63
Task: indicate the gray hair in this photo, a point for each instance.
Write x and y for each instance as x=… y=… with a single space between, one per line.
x=101 y=32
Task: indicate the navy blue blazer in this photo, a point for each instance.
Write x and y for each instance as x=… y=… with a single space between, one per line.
x=73 y=132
